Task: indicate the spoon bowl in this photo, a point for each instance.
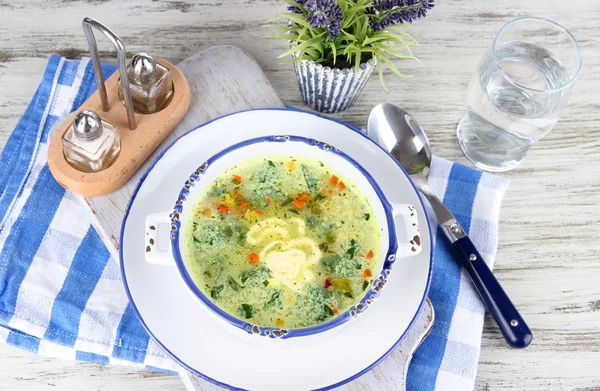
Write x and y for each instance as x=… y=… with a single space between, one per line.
x=399 y=133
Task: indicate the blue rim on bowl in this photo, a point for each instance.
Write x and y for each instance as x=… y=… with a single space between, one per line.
x=196 y=371
x=376 y=286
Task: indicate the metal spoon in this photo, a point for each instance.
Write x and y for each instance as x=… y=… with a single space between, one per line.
x=396 y=131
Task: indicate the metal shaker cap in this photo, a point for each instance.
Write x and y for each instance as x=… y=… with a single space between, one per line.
x=142 y=66
x=87 y=125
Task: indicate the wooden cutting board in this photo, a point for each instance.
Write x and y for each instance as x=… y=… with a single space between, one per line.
x=224 y=80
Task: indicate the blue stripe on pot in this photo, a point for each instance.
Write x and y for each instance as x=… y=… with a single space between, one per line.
x=331 y=90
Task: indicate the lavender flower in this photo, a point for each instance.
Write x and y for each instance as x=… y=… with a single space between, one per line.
x=322 y=14
x=317 y=15
x=390 y=12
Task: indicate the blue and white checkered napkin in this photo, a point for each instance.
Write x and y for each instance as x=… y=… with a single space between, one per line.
x=61 y=293
x=447 y=359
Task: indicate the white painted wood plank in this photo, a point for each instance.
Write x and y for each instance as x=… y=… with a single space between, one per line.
x=548 y=254
x=21 y=370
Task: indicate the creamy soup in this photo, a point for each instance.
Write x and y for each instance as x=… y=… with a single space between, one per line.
x=283 y=242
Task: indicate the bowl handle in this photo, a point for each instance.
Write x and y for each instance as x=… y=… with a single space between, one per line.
x=412 y=244
x=154 y=253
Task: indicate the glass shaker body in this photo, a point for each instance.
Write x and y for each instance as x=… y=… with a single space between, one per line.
x=91 y=155
x=151 y=87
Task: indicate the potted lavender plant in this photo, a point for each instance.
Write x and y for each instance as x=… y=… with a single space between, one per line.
x=335 y=45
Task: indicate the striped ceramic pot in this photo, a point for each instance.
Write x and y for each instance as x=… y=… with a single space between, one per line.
x=331 y=90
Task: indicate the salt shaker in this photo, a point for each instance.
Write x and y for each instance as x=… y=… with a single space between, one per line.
x=90 y=144
x=150 y=84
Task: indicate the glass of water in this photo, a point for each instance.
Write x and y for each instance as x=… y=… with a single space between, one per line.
x=518 y=92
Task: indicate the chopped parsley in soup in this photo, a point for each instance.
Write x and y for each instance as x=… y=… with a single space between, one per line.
x=283 y=242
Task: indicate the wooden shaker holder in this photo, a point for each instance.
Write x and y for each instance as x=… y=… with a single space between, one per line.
x=140 y=134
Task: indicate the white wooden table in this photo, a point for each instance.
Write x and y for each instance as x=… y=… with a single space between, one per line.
x=548 y=256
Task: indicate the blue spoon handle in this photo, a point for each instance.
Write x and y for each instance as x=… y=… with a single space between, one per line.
x=511 y=324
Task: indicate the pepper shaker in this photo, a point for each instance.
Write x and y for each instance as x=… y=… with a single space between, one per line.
x=90 y=144
x=150 y=84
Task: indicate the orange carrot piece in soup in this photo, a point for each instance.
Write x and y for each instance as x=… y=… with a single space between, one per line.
x=342 y=185
x=370 y=255
x=237 y=178
x=223 y=209
x=268 y=200
x=298 y=204
x=254 y=258
x=206 y=212
x=366 y=273
x=243 y=203
x=333 y=180
x=304 y=197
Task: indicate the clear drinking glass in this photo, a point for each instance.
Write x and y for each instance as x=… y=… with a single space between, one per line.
x=518 y=92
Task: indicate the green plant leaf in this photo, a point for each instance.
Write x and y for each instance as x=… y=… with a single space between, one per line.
x=394 y=53
x=385 y=37
x=352 y=15
x=315 y=51
x=344 y=5
x=333 y=50
x=346 y=35
x=286 y=36
x=400 y=31
x=303 y=32
x=374 y=38
x=318 y=46
x=392 y=66
x=349 y=49
x=380 y=71
x=314 y=54
x=301 y=46
x=364 y=28
x=296 y=18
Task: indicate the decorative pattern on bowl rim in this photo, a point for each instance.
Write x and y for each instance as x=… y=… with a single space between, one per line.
x=376 y=286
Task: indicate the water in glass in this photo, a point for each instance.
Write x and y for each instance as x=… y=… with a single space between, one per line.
x=503 y=117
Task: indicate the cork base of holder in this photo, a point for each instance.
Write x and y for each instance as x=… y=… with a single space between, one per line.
x=136 y=145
